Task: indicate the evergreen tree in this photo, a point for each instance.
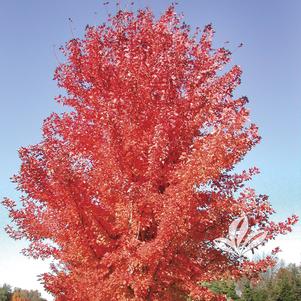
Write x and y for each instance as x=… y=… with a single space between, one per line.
x=5 y=292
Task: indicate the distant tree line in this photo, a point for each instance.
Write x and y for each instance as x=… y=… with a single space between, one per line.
x=17 y=294
x=282 y=283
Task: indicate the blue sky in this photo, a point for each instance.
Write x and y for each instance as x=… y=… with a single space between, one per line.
x=31 y=30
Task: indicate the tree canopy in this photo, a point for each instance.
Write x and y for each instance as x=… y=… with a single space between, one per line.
x=128 y=189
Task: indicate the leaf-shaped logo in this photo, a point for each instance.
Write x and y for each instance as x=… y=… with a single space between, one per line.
x=238 y=242
x=254 y=240
x=225 y=243
x=238 y=230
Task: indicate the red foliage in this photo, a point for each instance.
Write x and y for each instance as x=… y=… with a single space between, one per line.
x=110 y=192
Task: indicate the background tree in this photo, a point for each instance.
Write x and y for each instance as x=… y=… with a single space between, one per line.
x=5 y=292
x=282 y=284
x=248 y=293
x=224 y=287
x=19 y=295
x=287 y=284
x=110 y=191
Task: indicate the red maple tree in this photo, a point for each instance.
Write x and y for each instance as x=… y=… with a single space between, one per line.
x=127 y=191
